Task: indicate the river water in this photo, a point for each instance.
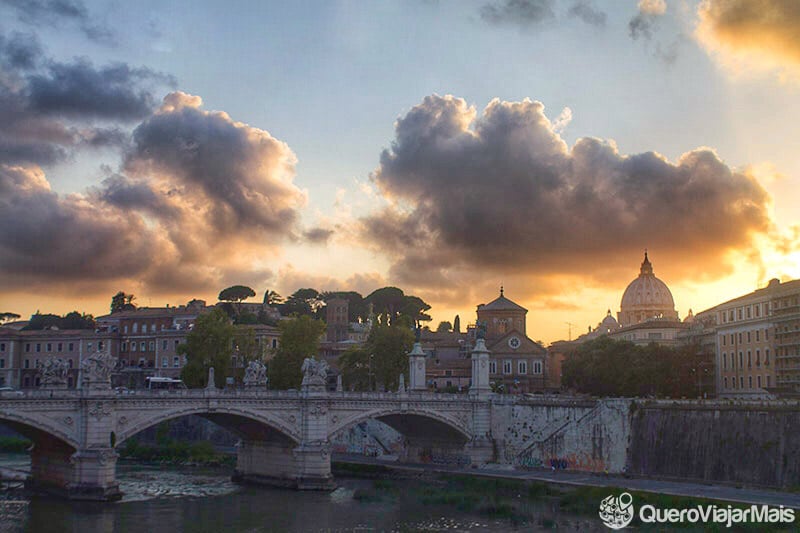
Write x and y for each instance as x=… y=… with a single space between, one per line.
x=172 y=499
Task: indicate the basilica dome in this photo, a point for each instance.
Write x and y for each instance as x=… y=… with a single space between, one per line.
x=646 y=297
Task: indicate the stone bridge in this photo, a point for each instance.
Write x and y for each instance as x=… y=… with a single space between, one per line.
x=285 y=435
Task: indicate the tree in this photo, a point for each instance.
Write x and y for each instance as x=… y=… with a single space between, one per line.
x=390 y=303
x=356 y=305
x=245 y=349
x=457 y=324
x=272 y=298
x=299 y=339
x=209 y=344
x=444 y=327
x=76 y=320
x=389 y=347
x=304 y=302
x=122 y=302
x=8 y=317
x=356 y=369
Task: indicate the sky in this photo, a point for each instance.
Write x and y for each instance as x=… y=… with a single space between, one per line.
x=172 y=149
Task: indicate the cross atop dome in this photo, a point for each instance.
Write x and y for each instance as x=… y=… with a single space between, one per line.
x=647 y=268
x=501 y=290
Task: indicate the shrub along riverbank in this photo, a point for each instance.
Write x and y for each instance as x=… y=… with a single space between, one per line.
x=176 y=452
x=14 y=445
x=519 y=501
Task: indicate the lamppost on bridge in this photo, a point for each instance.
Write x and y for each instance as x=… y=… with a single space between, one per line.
x=369 y=372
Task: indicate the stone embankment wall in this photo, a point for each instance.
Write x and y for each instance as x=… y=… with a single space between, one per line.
x=573 y=434
x=739 y=442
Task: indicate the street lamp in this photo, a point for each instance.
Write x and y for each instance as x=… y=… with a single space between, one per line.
x=369 y=373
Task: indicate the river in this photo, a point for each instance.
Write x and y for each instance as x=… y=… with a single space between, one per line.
x=174 y=499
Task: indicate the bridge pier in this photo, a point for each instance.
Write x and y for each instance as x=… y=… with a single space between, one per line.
x=86 y=474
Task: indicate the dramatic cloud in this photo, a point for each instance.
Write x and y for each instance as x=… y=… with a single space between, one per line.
x=523 y=13
x=239 y=176
x=57 y=13
x=318 y=235
x=752 y=35
x=585 y=11
x=48 y=109
x=474 y=197
x=80 y=90
x=200 y=202
x=642 y=24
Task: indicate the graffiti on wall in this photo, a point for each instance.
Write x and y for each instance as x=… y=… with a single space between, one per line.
x=443 y=458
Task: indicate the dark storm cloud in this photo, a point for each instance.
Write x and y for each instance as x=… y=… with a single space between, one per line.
x=57 y=13
x=48 y=237
x=126 y=194
x=243 y=173
x=585 y=11
x=503 y=193
x=518 y=12
x=80 y=90
x=47 y=108
x=318 y=235
x=644 y=22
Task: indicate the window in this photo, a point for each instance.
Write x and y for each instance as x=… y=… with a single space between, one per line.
x=750 y=382
x=2 y=347
x=141 y=361
x=493 y=367
x=164 y=362
x=100 y=345
x=724 y=339
x=507 y=366
x=758 y=310
x=135 y=327
x=2 y=382
x=741 y=360
x=152 y=346
x=758 y=334
x=164 y=344
x=176 y=362
x=726 y=383
x=748 y=336
x=69 y=363
x=60 y=347
x=27 y=363
x=741 y=382
x=89 y=346
x=732 y=340
x=124 y=347
x=766 y=357
x=733 y=360
x=2 y=363
x=759 y=382
x=522 y=367
x=125 y=328
x=748 y=312
x=49 y=346
x=766 y=334
x=70 y=347
x=537 y=367
x=758 y=359
x=142 y=346
x=724 y=360
x=133 y=346
x=38 y=347
x=769 y=381
x=749 y=359
x=152 y=328
x=448 y=373
x=740 y=338
x=739 y=313
x=730 y=315
x=274 y=343
x=177 y=342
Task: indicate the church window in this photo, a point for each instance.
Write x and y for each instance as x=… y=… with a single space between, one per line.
x=507 y=366
x=537 y=367
x=493 y=367
x=522 y=367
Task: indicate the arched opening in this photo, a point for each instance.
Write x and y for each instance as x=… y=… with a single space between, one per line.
x=49 y=467
x=263 y=451
x=407 y=437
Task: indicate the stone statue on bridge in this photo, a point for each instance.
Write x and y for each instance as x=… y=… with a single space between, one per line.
x=98 y=367
x=53 y=373
x=255 y=375
x=314 y=372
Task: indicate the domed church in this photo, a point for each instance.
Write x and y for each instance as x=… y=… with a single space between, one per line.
x=646 y=297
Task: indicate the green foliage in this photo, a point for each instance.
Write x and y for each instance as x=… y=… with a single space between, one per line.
x=608 y=367
x=72 y=320
x=7 y=317
x=304 y=302
x=209 y=344
x=457 y=324
x=390 y=304
x=122 y=302
x=14 y=445
x=272 y=298
x=299 y=339
x=174 y=451
x=236 y=293
x=356 y=305
x=354 y=365
x=389 y=346
x=444 y=327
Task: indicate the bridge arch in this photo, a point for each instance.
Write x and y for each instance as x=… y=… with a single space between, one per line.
x=247 y=424
x=411 y=423
x=39 y=429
